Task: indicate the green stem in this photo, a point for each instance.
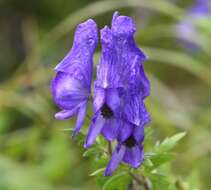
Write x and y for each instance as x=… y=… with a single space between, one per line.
x=140 y=181
x=110 y=148
x=89 y=117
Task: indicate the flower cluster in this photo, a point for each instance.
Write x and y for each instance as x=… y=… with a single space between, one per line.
x=120 y=88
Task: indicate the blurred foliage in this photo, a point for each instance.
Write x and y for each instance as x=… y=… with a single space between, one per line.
x=36 y=151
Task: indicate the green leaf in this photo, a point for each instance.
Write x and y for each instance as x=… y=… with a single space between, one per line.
x=79 y=138
x=160 y=159
x=97 y=172
x=81 y=133
x=169 y=142
x=100 y=162
x=148 y=163
x=89 y=152
x=161 y=154
x=119 y=181
x=159 y=182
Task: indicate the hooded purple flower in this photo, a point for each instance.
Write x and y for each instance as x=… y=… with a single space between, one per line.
x=107 y=93
x=119 y=90
x=129 y=149
x=186 y=28
x=72 y=83
x=201 y=7
x=120 y=71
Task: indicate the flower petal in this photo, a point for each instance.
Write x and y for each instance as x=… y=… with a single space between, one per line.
x=134 y=156
x=107 y=70
x=123 y=25
x=130 y=58
x=115 y=15
x=72 y=83
x=80 y=118
x=125 y=131
x=138 y=133
x=68 y=91
x=94 y=130
x=144 y=83
x=78 y=62
x=66 y=114
x=135 y=110
x=111 y=129
x=120 y=55
x=113 y=99
x=99 y=98
x=115 y=159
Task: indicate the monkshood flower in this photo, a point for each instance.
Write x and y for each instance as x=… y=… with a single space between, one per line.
x=120 y=88
x=187 y=29
x=135 y=111
x=130 y=138
x=200 y=8
x=72 y=83
x=129 y=149
x=120 y=70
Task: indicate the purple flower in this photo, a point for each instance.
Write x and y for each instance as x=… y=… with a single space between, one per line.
x=129 y=149
x=201 y=7
x=72 y=83
x=107 y=93
x=135 y=111
x=120 y=76
x=187 y=29
x=120 y=88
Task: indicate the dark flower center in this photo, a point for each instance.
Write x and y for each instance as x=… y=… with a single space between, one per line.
x=130 y=142
x=106 y=112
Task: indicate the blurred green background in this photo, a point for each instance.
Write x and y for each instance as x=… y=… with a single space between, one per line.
x=36 y=151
